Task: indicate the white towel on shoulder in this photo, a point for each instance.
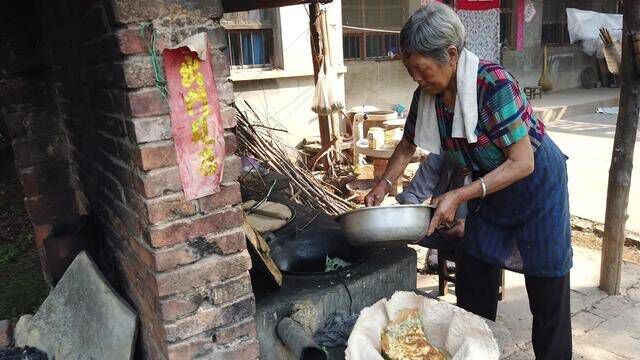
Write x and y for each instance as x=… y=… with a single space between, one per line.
x=465 y=115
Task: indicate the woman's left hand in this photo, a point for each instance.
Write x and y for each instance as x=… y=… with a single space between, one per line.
x=445 y=213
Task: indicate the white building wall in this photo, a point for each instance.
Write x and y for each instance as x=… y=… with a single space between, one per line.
x=381 y=83
x=284 y=95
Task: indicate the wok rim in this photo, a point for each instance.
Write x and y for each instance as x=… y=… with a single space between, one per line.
x=362 y=209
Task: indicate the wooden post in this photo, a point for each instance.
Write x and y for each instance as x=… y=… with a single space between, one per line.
x=316 y=56
x=334 y=119
x=622 y=157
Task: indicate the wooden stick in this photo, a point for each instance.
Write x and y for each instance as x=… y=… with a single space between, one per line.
x=261 y=145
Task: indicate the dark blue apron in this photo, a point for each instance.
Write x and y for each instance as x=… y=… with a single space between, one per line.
x=526 y=227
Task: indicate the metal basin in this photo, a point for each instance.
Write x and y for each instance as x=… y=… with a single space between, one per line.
x=385 y=225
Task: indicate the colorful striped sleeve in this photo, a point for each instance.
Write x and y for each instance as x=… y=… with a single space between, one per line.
x=502 y=112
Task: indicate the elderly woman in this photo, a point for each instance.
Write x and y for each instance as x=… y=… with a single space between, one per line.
x=475 y=113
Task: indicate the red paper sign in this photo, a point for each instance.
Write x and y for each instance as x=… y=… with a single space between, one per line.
x=477 y=4
x=196 y=123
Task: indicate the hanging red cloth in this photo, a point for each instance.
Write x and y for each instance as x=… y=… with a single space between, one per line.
x=477 y=4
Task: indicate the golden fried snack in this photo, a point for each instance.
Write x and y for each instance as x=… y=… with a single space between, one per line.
x=403 y=339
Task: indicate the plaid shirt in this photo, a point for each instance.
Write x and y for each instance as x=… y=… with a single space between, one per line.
x=504 y=117
x=507 y=230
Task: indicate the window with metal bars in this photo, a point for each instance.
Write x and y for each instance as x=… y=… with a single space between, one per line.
x=359 y=17
x=370 y=45
x=250 y=38
x=508 y=23
x=351 y=46
x=250 y=48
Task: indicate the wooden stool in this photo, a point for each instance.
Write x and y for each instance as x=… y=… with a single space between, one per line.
x=533 y=91
x=445 y=276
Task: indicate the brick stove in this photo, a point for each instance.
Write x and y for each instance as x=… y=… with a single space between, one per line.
x=309 y=294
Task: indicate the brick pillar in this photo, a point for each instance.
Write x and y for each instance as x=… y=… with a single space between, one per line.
x=41 y=159
x=92 y=133
x=33 y=122
x=195 y=299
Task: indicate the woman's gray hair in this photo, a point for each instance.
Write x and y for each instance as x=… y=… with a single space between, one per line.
x=431 y=30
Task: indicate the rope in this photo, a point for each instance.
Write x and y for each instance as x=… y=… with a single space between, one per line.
x=370 y=29
x=161 y=81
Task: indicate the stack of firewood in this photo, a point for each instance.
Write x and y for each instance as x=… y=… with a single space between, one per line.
x=256 y=139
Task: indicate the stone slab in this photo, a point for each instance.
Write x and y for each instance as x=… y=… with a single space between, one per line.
x=82 y=318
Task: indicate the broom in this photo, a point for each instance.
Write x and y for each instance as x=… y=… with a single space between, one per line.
x=544 y=82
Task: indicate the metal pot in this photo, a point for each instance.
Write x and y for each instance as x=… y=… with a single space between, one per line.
x=385 y=225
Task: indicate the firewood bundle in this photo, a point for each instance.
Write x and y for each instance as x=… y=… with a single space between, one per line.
x=256 y=139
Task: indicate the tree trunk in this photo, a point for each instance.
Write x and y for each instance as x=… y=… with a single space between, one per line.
x=622 y=157
x=316 y=55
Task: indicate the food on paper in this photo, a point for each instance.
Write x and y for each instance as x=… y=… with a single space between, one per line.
x=404 y=339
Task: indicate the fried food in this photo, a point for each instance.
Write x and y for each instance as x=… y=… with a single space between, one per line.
x=403 y=339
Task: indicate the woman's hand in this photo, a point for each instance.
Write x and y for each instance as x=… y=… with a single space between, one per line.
x=446 y=207
x=456 y=232
x=377 y=194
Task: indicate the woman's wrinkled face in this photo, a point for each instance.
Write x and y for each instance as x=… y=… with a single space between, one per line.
x=432 y=75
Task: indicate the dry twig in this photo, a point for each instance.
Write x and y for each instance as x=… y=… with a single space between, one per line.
x=255 y=140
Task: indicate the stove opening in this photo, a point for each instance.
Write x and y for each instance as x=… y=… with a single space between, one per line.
x=319 y=251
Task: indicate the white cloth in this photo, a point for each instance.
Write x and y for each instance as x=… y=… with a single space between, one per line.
x=465 y=115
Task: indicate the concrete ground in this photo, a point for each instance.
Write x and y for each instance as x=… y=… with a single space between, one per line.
x=604 y=327
x=573 y=102
x=574 y=97
x=588 y=141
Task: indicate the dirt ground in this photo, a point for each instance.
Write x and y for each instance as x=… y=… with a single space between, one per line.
x=22 y=285
x=591 y=240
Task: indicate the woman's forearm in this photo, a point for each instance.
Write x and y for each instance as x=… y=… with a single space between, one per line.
x=399 y=159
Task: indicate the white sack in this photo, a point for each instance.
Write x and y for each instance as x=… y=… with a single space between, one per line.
x=459 y=334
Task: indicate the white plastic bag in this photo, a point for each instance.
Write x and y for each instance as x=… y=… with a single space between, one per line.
x=326 y=100
x=321 y=104
x=461 y=335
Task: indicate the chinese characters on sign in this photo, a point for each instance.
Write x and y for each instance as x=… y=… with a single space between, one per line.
x=195 y=117
x=196 y=100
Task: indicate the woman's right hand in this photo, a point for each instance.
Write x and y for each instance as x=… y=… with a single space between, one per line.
x=376 y=195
